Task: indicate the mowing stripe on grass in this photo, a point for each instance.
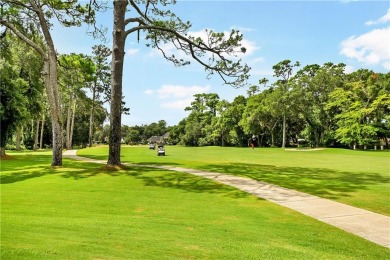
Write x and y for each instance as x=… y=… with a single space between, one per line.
x=366 y=224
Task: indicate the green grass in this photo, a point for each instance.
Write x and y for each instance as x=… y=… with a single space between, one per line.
x=85 y=211
x=357 y=178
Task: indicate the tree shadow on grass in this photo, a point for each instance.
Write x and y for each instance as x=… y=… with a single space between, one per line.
x=30 y=167
x=33 y=166
x=154 y=177
x=325 y=183
x=24 y=167
x=186 y=182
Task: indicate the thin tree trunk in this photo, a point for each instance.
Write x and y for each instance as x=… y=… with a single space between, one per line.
x=35 y=147
x=18 y=138
x=271 y=130
x=118 y=48
x=42 y=127
x=63 y=135
x=72 y=125
x=68 y=122
x=284 y=131
x=91 y=118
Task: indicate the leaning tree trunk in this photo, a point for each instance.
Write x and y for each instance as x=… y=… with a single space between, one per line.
x=50 y=82
x=118 y=48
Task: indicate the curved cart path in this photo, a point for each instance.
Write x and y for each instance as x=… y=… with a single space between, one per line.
x=366 y=224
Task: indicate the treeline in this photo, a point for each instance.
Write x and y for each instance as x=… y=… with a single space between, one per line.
x=134 y=135
x=315 y=106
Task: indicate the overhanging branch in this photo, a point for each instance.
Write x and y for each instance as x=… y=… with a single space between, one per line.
x=21 y=36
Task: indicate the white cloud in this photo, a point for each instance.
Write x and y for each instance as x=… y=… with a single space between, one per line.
x=349 y=69
x=132 y=51
x=386 y=65
x=383 y=19
x=250 y=48
x=177 y=91
x=177 y=104
x=149 y=92
x=179 y=96
x=256 y=61
x=370 y=48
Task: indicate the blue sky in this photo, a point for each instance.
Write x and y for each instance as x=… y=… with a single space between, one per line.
x=356 y=33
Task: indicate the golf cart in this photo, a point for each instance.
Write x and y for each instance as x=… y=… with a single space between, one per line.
x=160 y=150
x=152 y=146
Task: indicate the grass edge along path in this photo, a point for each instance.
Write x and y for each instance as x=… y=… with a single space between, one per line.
x=363 y=223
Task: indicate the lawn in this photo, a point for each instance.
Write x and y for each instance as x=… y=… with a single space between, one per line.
x=86 y=211
x=357 y=178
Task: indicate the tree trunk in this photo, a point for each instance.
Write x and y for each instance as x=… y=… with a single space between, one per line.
x=284 y=131
x=72 y=125
x=55 y=108
x=68 y=122
x=35 y=147
x=91 y=118
x=63 y=136
x=18 y=138
x=50 y=82
x=3 y=138
x=42 y=127
x=118 y=47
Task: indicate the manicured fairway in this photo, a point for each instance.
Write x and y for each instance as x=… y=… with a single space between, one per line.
x=85 y=211
x=357 y=178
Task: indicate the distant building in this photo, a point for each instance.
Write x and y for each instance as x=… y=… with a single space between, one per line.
x=159 y=139
x=155 y=139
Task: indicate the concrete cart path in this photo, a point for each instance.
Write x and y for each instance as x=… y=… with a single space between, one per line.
x=369 y=225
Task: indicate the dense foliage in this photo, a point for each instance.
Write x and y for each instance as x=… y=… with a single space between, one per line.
x=322 y=105
x=24 y=109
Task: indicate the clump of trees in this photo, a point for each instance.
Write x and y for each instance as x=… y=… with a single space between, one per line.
x=30 y=22
x=25 y=119
x=321 y=104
